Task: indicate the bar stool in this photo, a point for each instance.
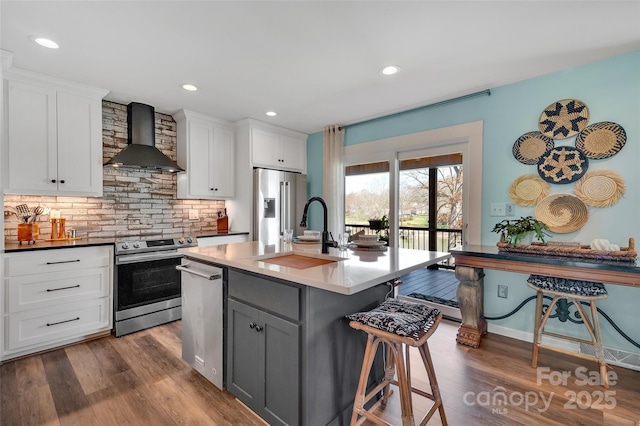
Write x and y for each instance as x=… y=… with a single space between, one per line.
x=574 y=291
x=396 y=323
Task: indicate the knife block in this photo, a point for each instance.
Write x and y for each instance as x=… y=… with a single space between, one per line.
x=223 y=224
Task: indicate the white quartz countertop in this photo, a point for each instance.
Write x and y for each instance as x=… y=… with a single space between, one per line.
x=353 y=270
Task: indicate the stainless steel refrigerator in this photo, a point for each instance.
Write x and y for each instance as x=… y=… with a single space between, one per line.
x=278 y=204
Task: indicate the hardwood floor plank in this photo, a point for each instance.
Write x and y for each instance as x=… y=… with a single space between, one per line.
x=175 y=404
x=123 y=404
x=139 y=360
x=90 y=372
x=171 y=340
x=9 y=406
x=217 y=404
x=70 y=401
x=30 y=373
x=37 y=407
x=160 y=355
x=110 y=360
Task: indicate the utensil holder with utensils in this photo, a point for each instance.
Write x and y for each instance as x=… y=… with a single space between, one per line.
x=28 y=232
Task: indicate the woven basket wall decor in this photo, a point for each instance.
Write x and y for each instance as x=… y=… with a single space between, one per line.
x=564 y=164
x=528 y=190
x=601 y=140
x=529 y=147
x=563 y=119
x=600 y=188
x=562 y=213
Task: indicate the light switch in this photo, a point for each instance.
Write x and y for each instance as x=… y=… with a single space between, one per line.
x=497 y=209
x=193 y=214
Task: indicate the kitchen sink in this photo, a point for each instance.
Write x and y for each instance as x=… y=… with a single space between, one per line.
x=298 y=260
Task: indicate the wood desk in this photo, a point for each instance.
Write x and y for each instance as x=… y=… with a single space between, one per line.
x=470 y=263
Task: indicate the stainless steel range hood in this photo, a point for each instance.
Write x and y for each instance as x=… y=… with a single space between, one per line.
x=141 y=151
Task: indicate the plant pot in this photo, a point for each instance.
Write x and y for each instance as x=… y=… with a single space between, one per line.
x=375 y=224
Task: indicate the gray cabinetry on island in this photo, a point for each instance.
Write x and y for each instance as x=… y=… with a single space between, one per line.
x=263 y=363
x=291 y=356
x=263 y=347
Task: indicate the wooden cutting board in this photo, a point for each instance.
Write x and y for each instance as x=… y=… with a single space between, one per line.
x=297 y=261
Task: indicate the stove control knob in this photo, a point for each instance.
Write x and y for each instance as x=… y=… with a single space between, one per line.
x=136 y=245
x=181 y=240
x=125 y=246
x=189 y=240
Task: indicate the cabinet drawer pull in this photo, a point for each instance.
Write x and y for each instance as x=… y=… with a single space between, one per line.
x=258 y=328
x=49 y=324
x=63 y=261
x=53 y=181
x=63 y=288
x=252 y=325
x=62 y=181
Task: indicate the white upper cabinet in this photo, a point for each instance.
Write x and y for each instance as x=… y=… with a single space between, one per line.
x=54 y=137
x=275 y=150
x=206 y=150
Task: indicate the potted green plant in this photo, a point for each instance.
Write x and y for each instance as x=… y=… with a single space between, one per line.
x=519 y=230
x=380 y=225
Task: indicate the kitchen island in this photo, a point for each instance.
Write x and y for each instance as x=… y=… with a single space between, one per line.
x=290 y=353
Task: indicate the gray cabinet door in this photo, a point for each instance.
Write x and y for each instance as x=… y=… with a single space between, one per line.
x=263 y=368
x=242 y=352
x=279 y=365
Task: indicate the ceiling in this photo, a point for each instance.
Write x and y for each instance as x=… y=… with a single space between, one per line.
x=314 y=62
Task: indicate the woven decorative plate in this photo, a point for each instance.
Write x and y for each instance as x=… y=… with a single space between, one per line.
x=600 y=188
x=564 y=164
x=562 y=213
x=528 y=190
x=529 y=147
x=601 y=140
x=563 y=119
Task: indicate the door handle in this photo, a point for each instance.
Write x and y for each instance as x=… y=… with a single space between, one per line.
x=185 y=268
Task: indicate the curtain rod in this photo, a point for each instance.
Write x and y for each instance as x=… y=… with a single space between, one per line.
x=446 y=101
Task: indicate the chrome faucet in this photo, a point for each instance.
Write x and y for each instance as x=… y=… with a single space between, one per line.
x=326 y=243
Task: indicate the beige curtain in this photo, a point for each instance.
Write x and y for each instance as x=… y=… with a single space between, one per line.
x=333 y=181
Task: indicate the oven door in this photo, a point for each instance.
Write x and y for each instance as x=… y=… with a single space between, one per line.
x=145 y=279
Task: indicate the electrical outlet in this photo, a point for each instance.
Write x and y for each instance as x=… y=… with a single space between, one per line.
x=503 y=291
x=510 y=209
x=194 y=214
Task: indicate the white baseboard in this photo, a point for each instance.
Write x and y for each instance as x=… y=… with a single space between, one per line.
x=612 y=356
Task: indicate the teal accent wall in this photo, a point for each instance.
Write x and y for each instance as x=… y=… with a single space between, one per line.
x=611 y=90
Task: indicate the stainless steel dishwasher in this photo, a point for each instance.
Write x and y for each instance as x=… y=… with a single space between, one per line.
x=202 y=318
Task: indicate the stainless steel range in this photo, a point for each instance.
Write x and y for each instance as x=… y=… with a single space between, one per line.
x=147 y=284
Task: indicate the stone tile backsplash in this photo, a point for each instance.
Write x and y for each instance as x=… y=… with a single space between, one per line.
x=136 y=203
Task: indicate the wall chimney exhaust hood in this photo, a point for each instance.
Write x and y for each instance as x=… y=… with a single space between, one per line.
x=141 y=151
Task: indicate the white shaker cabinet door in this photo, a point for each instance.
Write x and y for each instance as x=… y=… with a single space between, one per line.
x=79 y=145
x=223 y=163
x=31 y=151
x=294 y=153
x=266 y=150
x=200 y=153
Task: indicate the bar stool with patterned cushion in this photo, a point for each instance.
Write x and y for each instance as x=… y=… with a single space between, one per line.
x=574 y=291
x=396 y=323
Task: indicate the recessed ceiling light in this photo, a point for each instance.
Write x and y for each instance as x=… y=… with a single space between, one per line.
x=45 y=42
x=390 y=70
x=271 y=113
x=189 y=87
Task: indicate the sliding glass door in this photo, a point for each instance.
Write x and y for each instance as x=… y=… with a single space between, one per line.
x=430 y=202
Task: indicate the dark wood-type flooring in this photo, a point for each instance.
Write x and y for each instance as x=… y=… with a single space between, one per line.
x=140 y=379
x=441 y=283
